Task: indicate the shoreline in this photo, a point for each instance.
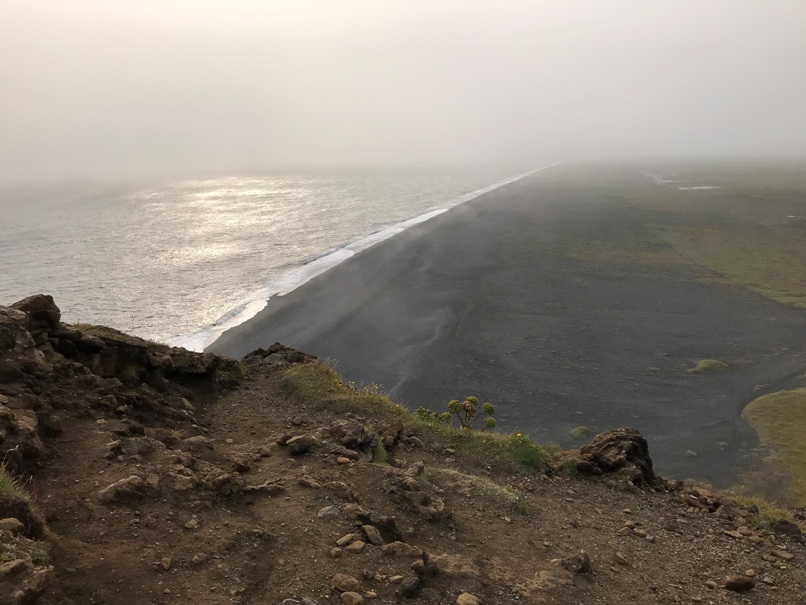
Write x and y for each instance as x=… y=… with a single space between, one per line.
x=493 y=300
x=256 y=301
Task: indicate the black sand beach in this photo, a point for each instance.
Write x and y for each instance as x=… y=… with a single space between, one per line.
x=502 y=298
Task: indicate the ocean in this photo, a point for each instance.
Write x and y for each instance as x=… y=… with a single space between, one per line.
x=180 y=262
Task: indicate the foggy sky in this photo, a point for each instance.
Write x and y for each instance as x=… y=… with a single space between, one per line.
x=133 y=87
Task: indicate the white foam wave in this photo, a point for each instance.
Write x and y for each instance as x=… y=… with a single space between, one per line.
x=293 y=279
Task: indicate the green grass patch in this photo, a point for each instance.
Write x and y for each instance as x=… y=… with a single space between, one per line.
x=780 y=421
x=40 y=553
x=581 y=432
x=9 y=552
x=11 y=487
x=452 y=478
x=707 y=365
x=766 y=259
x=113 y=334
x=321 y=385
x=767 y=514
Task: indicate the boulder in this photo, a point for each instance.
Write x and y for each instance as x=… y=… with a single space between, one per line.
x=13 y=333
x=623 y=451
x=43 y=314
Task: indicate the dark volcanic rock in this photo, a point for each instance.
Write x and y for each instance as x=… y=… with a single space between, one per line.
x=348 y=433
x=43 y=314
x=623 y=451
x=278 y=354
x=410 y=587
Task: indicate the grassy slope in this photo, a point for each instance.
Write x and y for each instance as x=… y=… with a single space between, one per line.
x=767 y=260
x=780 y=418
x=321 y=385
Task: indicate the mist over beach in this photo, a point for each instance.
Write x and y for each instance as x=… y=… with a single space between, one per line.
x=200 y=88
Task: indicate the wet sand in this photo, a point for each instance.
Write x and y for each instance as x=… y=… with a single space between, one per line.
x=486 y=300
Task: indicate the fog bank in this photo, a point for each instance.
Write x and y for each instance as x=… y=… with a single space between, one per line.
x=102 y=88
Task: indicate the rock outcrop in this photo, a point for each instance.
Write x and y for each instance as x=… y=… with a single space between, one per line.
x=621 y=451
x=52 y=373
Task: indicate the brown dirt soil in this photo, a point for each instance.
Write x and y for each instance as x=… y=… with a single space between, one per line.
x=191 y=530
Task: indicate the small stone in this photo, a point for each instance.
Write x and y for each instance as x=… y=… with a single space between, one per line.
x=711 y=585
x=300 y=444
x=370 y=594
x=768 y=580
x=580 y=563
x=782 y=554
x=166 y=591
x=329 y=512
x=750 y=573
x=166 y=563
x=372 y=534
x=739 y=583
x=342 y=460
x=192 y=524
x=351 y=598
x=733 y=534
x=345 y=583
x=410 y=587
x=395 y=579
x=627 y=511
x=335 y=552
x=620 y=559
x=467 y=599
x=347 y=539
x=356 y=547
x=641 y=533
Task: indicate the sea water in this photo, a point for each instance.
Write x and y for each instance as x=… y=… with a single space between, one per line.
x=180 y=262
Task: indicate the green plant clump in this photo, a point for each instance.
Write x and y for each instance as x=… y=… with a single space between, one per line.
x=465 y=412
x=11 y=487
x=581 y=432
x=40 y=553
x=8 y=552
x=707 y=365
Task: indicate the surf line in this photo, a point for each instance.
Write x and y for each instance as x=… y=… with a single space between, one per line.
x=294 y=278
